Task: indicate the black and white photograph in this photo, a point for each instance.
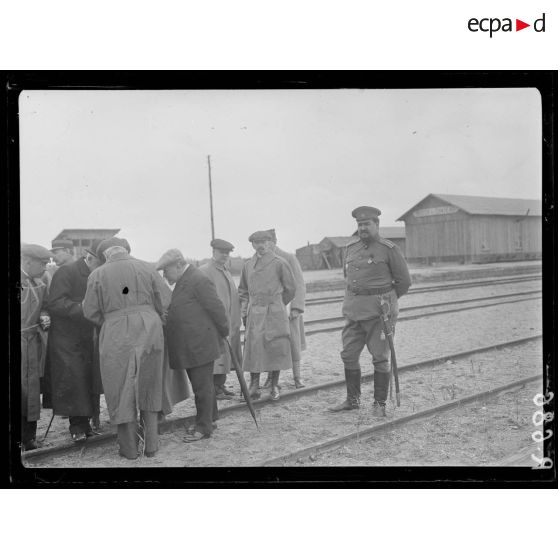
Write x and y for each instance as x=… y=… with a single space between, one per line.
x=289 y=277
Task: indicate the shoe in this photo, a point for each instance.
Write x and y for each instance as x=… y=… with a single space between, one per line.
x=346 y=406
x=195 y=437
x=379 y=410
x=150 y=453
x=227 y=391
x=192 y=428
x=298 y=384
x=78 y=437
x=32 y=444
x=126 y=457
x=222 y=396
x=275 y=394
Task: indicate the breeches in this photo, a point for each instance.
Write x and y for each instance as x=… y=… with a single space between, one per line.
x=356 y=335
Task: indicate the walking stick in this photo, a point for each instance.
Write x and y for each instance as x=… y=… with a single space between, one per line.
x=388 y=331
x=242 y=382
x=49 y=425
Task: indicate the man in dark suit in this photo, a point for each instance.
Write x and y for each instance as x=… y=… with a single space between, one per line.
x=196 y=324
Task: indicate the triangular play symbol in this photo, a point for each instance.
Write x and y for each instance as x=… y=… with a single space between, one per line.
x=519 y=25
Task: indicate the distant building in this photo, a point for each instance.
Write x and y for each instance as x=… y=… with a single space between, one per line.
x=472 y=229
x=82 y=238
x=328 y=253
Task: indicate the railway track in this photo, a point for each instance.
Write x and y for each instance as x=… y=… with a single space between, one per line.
x=235 y=408
x=437 y=288
x=365 y=433
x=526 y=295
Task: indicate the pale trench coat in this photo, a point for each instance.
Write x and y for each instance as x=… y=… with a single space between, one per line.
x=125 y=296
x=33 y=345
x=266 y=286
x=228 y=293
x=298 y=337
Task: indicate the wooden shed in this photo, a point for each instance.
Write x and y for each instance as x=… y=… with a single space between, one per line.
x=473 y=229
x=310 y=257
x=82 y=238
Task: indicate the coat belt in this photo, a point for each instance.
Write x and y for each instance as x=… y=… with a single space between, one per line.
x=129 y=310
x=360 y=291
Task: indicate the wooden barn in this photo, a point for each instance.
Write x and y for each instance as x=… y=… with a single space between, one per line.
x=82 y=238
x=328 y=253
x=472 y=229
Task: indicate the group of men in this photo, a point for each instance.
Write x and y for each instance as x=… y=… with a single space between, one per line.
x=115 y=326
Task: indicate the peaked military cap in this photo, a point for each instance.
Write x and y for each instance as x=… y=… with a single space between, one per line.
x=365 y=213
x=109 y=243
x=93 y=248
x=259 y=236
x=170 y=257
x=36 y=252
x=220 y=244
x=61 y=243
x=273 y=235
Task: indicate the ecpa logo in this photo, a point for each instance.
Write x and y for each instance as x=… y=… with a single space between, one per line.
x=492 y=25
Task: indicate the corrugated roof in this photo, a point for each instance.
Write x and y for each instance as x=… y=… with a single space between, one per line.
x=86 y=233
x=480 y=205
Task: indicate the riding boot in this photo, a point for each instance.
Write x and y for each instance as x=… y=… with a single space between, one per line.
x=296 y=374
x=255 y=385
x=381 y=385
x=274 y=395
x=352 y=381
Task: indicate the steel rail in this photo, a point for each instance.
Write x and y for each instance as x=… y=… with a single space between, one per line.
x=426 y=315
x=372 y=430
x=433 y=305
x=178 y=422
x=433 y=289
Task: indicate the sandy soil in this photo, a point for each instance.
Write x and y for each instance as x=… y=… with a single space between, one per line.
x=290 y=425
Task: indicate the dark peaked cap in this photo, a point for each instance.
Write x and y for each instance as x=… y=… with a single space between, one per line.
x=260 y=235
x=365 y=213
x=273 y=235
x=220 y=244
x=61 y=243
x=93 y=248
x=36 y=252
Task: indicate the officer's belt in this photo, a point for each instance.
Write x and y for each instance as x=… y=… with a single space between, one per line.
x=129 y=310
x=360 y=291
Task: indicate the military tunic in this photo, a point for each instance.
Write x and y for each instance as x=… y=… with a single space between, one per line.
x=266 y=287
x=373 y=272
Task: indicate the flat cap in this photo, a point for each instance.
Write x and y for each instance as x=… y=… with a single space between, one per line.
x=221 y=245
x=259 y=236
x=109 y=243
x=365 y=213
x=273 y=235
x=93 y=248
x=170 y=257
x=61 y=243
x=36 y=252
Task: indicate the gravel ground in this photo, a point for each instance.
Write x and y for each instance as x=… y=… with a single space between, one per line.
x=291 y=425
x=479 y=434
x=334 y=309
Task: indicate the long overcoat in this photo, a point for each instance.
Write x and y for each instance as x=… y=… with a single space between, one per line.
x=228 y=293
x=175 y=382
x=125 y=297
x=70 y=343
x=266 y=286
x=196 y=322
x=298 y=336
x=33 y=345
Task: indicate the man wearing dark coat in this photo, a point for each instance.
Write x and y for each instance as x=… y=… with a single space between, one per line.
x=196 y=324
x=71 y=347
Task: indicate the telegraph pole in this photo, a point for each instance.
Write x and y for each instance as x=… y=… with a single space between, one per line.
x=210 y=198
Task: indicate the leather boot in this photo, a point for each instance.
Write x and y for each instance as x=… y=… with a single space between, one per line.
x=274 y=395
x=381 y=385
x=254 y=385
x=296 y=374
x=352 y=380
x=267 y=383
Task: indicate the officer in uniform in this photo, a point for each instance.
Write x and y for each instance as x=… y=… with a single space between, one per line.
x=375 y=270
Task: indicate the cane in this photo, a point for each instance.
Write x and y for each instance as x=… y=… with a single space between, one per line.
x=49 y=425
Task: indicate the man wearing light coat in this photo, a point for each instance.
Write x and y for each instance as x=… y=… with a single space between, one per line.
x=266 y=287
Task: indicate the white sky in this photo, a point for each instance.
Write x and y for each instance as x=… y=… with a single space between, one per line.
x=297 y=161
